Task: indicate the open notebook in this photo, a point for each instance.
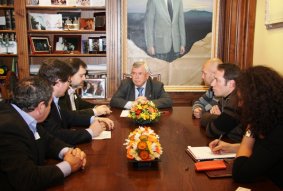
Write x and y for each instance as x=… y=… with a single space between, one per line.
x=204 y=153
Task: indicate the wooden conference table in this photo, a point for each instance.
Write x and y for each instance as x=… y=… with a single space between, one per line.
x=109 y=169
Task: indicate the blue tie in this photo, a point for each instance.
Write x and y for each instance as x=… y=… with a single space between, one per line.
x=140 y=91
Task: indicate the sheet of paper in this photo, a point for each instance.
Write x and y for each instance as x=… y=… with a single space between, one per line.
x=103 y=135
x=125 y=113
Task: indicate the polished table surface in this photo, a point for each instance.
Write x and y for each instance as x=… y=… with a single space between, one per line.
x=109 y=169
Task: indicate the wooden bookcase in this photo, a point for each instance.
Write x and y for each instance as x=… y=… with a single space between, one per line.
x=110 y=58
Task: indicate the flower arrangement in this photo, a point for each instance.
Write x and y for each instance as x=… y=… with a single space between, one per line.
x=144 y=111
x=143 y=145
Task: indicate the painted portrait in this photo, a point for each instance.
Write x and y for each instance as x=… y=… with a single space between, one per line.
x=175 y=39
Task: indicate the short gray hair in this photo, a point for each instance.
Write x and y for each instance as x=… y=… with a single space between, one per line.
x=141 y=63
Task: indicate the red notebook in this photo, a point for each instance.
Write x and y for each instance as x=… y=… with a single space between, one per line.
x=210 y=165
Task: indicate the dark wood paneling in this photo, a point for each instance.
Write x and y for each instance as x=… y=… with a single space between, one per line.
x=236 y=31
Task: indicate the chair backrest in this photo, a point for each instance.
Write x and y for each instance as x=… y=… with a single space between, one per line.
x=153 y=76
x=8 y=85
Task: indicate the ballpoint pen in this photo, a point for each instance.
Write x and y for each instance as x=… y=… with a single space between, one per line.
x=219 y=139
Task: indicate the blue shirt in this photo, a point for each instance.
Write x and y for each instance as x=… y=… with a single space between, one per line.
x=64 y=166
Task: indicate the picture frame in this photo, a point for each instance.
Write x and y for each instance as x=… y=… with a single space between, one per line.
x=70 y=20
x=94 y=88
x=40 y=45
x=190 y=78
x=273 y=14
x=58 y=2
x=67 y=44
x=86 y=24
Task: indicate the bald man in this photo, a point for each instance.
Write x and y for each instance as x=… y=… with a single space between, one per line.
x=207 y=100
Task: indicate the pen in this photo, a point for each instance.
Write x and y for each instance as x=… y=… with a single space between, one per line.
x=219 y=139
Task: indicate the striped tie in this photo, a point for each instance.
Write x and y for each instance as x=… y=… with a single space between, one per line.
x=140 y=91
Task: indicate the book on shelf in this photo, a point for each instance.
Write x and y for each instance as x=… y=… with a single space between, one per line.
x=10 y=2
x=8 y=18
x=205 y=153
x=13 y=21
x=3 y=2
x=2 y=20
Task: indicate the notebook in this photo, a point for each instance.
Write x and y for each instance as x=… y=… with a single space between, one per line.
x=204 y=153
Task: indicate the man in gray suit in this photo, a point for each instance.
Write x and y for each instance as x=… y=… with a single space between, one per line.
x=164 y=29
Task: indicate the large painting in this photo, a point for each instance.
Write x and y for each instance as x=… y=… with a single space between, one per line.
x=174 y=45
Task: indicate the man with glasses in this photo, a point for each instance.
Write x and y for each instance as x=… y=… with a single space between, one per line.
x=59 y=121
x=140 y=86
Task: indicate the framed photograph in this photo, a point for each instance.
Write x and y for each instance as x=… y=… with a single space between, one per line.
x=39 y=45
x=69 y=44
x=273 y=14
x=86 y=23
x=94 y=88
x=58 y=2
x=145 y=37
x=70 y=20
x=99 y=21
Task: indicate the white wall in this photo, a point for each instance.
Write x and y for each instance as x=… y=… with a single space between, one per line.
x=268 y=44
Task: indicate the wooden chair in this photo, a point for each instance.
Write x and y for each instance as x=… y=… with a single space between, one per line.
x=153 y=76
x=8 y=85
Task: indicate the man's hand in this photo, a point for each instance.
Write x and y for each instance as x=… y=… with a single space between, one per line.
x=182 y=50
x=76 y=158
x=97 y=128
x=105 y=122
x=215 y=110
x=197 y=112
x=151 y=51
x=102 y=110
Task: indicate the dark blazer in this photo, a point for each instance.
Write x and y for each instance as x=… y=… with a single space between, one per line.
x=154 y=91
x=22 y=157
x=83 y=107
x=60 y=128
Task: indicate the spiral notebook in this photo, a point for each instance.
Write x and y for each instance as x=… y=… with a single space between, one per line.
x=204 y=153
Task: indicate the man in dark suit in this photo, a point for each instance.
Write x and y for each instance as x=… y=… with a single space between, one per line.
x=60 y=121
x=141 y=85
x=71 y=100
x=25 y=145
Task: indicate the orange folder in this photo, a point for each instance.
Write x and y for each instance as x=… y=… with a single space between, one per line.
x=210 y=165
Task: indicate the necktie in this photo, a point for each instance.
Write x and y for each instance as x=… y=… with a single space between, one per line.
x=72 y=99
x=170 y=9
x=140 y=91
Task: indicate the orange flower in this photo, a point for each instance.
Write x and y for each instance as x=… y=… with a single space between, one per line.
x=144 y=155
x=129 y=156
x=142 y=145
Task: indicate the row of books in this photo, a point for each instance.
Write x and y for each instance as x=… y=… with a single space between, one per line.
x=6 y=2
x=7 y=19
x=67 y=2
x=67 y=21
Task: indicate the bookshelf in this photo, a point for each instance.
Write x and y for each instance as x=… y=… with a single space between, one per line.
x=8 y=45
x=109 y=59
